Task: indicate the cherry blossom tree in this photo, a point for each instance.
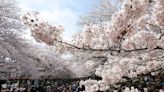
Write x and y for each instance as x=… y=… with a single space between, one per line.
x=10 y=43
x=19 y=57
x=130 y=44
x=51 y=35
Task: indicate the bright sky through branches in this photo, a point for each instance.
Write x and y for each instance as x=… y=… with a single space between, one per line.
x=63 y=12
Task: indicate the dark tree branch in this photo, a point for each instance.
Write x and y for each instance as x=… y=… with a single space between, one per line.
x=108 y=49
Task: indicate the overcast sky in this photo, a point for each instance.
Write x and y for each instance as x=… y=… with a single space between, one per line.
x=63 y=12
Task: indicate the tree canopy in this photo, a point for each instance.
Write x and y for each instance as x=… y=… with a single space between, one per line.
x=130 y=43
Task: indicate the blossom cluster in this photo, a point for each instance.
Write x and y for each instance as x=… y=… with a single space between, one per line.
x=41 y=30
x=134 y=38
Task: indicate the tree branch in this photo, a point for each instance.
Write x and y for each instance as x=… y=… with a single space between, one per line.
x=108 y=49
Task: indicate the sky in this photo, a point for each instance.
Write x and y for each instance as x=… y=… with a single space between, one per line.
x=63 y=12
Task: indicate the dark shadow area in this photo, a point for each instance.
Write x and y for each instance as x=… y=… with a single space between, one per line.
x=44 y=85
